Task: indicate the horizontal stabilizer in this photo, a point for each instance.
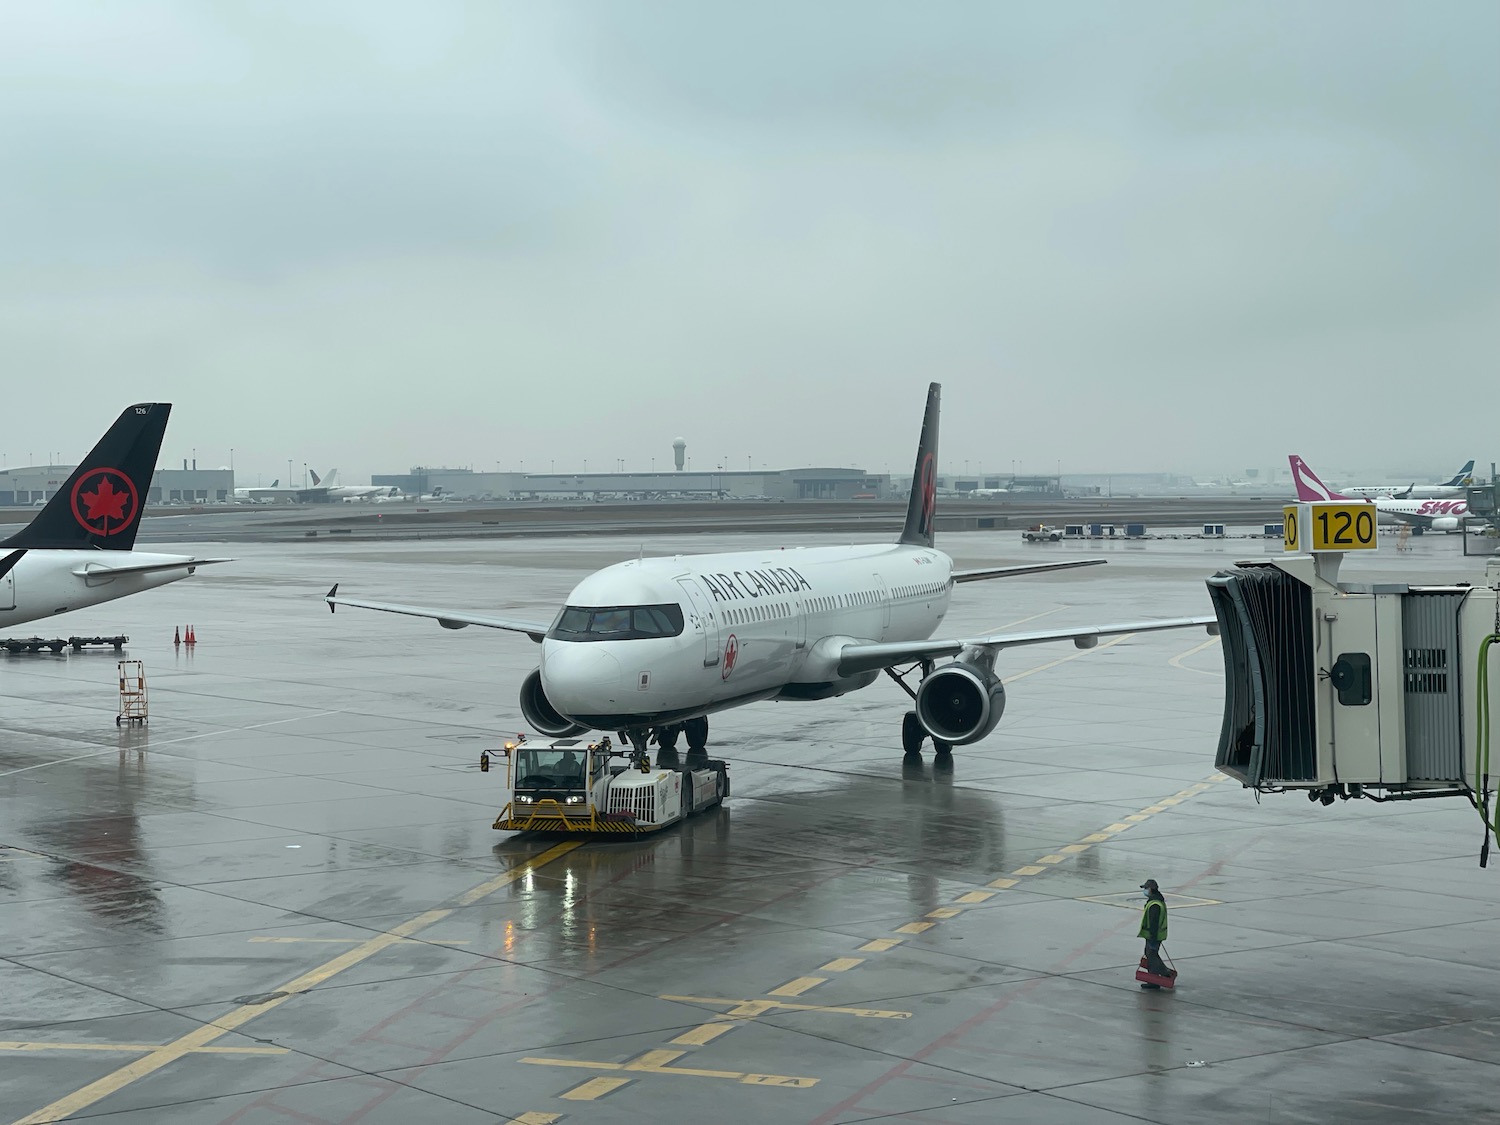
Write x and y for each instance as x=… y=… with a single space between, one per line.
x=104 y=568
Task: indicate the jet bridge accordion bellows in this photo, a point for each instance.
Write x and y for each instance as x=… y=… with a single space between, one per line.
x=1265 y=620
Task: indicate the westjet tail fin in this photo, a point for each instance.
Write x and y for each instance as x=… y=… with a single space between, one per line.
x=100 y=505
x=1309 y=487
x=1465 y=476
x=923 y=500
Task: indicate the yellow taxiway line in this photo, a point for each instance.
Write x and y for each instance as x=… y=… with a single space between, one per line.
x=200 y=1038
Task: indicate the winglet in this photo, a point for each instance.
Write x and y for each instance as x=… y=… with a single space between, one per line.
x=328 y=597
x=100 y=504
x=923 y=500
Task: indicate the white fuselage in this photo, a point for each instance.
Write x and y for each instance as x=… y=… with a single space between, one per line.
x=1440 y=515
x=361 y=491
x=1403 y=492
x=756 y=625
x=47 y=582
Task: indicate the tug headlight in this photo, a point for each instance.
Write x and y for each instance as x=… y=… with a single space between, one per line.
x=525 y=799
x=573 y=799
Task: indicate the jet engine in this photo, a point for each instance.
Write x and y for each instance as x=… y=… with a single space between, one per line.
x=543 y=717
x=961 y=702
x=1446 y=523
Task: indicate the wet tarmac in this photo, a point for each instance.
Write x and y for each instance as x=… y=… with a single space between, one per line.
x=282 y=900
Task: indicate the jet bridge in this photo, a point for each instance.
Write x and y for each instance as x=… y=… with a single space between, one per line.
x=1345 y=690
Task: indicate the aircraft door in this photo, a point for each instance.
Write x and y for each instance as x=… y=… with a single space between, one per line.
x=8 y=590
x=703 y=619
x=884 y=594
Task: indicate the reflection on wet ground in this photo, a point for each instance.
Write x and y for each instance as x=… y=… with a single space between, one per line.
x=282 y=899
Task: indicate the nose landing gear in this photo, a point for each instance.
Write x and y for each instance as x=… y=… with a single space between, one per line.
x=665 y=738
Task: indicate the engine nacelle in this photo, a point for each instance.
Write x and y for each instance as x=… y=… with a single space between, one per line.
x=960 y=702
x=539 y=712
x=1446 y=523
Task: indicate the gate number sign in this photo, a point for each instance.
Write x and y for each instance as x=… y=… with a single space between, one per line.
x=1329 y=527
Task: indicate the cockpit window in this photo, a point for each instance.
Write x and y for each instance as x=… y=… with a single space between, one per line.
x=617 y=623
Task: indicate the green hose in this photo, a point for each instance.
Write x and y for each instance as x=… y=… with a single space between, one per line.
x=1482 y=737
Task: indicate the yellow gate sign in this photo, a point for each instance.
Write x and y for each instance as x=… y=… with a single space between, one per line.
x=1317 y=528
x=1291 y=519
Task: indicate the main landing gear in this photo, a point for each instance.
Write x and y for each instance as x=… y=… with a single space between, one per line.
x=695 y=731
x=913 y=734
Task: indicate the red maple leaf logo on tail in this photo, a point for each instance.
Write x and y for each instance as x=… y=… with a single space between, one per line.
x=109 y=506
x=106 y=503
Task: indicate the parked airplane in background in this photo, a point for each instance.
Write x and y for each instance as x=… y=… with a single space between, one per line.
x=1458 y=486
x=336 y=491
x=323 y=489
x=1422 y=515
x=248 y=493
x=77 y=552
x=652 y=647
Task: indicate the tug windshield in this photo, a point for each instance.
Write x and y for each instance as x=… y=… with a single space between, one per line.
x=550 y=769
x=617 y=623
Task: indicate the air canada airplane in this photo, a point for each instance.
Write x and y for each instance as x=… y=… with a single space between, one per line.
x=77 y=551
x=1422 y=515
x=651 y=647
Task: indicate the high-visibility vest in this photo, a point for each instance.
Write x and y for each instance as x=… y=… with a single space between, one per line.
x=1161 y=920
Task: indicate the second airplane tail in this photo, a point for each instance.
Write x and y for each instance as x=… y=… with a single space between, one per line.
x=100 y=504
x=1465 y=476
x=1309 y=487
x=923 y=501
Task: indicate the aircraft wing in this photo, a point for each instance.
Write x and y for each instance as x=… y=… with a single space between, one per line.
x=447 y=618
x=1023 y=568
x=105 y=569
x=857 y=658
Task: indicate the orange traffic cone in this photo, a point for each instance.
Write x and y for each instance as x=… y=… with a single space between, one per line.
x=176 y=634
x=192 y=638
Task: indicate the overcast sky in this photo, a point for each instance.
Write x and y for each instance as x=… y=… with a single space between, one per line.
x=1181 y=236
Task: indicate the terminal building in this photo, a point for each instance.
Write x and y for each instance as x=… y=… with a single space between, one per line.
x=33 y=485
x=727 y=484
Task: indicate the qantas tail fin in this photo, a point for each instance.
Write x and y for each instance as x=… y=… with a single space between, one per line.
x=923 y=501
x=1465 y=476
x=1309 y=487
x=100 y=505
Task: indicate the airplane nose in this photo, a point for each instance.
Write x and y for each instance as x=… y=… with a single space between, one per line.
x=580 y=679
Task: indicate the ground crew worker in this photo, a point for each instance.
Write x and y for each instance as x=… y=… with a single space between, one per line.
x=1154 y=930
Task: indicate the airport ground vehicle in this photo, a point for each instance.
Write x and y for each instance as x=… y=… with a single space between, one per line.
x=578 y=785
x=1041 y=533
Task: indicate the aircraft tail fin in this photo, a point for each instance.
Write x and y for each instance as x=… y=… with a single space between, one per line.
x=1309 y=487
x=1465 y=475
x=314 y=474
x=330 y=481
x=100 y=504
x=920 y=507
